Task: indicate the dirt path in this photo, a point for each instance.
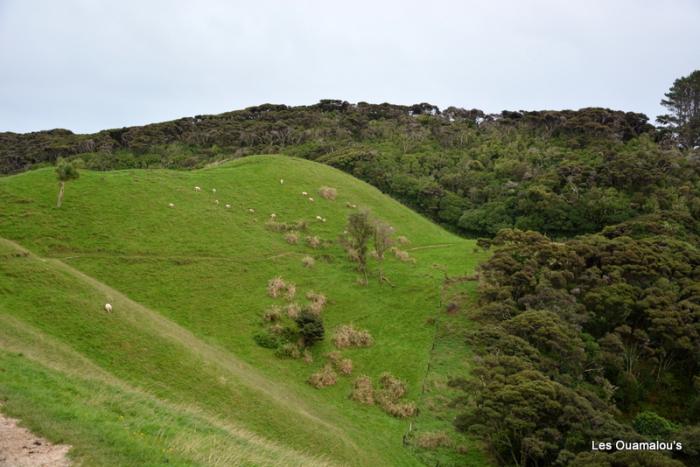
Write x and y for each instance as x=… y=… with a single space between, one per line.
x=20 y=448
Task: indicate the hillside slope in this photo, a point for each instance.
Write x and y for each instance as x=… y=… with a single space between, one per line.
x=176 y=359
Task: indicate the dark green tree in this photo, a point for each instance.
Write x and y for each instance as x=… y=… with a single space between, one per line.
x=683 y=103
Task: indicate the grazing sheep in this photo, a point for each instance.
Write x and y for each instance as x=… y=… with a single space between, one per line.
x=273 y=215
x=228 y=206
x=304 y=193
x=251 y=210
x=108 y=308
x=213 y=190
x=216 y=201
x=197 y=188
x=311 y=199
x=281 y=181
x=171 y=205
x=319 y=218
x=323 y=219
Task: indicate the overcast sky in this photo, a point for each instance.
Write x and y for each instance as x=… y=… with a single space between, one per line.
x=88 y=65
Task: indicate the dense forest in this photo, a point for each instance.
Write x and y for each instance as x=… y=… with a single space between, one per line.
x=590 y=305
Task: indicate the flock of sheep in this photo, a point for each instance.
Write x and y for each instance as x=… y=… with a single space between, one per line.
x=108 y=307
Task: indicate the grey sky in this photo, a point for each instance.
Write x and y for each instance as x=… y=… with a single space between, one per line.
x=88 y=65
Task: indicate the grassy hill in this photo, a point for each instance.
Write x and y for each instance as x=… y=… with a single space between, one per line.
x=173 y=374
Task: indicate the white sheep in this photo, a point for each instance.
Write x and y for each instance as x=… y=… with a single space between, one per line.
x=228 y=206
x=108 y=308
x=311 y=199
x=319 y=218
x=171 y=205
x=213 y=190
x=281 y=181
x=323 y=220
x=304 y=193
x=198 y=188
x=273 y=215
x=216 y=201
x=251 y=210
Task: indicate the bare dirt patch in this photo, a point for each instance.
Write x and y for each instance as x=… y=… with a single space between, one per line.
x=19 y=447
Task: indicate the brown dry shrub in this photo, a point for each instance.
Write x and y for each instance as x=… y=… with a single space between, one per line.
x=318 y=302
x=393 y=387
x=313 y=241
x=276 y=286
x=272 y=314
x=403 y=255
x=344 y=366
x=290 y=291
x=293 y=310
x=362 y=390
x=433 y=440
x=347 y=336
x=308 y=261
x=273 y=225
x=289 y=350
x=328 y=192
x=399 y=409
x=324 y=377
x=292 y=238
x=403 y=240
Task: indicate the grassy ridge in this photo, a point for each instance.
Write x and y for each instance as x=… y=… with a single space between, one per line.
x=188 y=285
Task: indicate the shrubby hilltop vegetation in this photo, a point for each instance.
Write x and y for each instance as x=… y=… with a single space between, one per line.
x=580 y=323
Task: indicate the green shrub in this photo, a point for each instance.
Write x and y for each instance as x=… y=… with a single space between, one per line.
x=651 y=424
x=266 y=340
x=310 y=327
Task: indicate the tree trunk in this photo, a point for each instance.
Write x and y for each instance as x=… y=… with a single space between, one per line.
x=61 y=186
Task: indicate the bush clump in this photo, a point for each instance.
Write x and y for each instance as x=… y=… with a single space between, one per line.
x=403 y=255
x=403 y=240
x=293 y=310
x=313 y=241
x=434 y=440
x=362 y=390
x=347 y=336
x=317 y=301
x=310 y=327
x=388 y=397
x=266 y=340
x=324 y=377
x=291 y=237
x=651 y=424
x=275 y=226
x=308 y=261
x=328 y=192
x=277 y=287
x=342 y=365
x=272 y=314
x=288 y=350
